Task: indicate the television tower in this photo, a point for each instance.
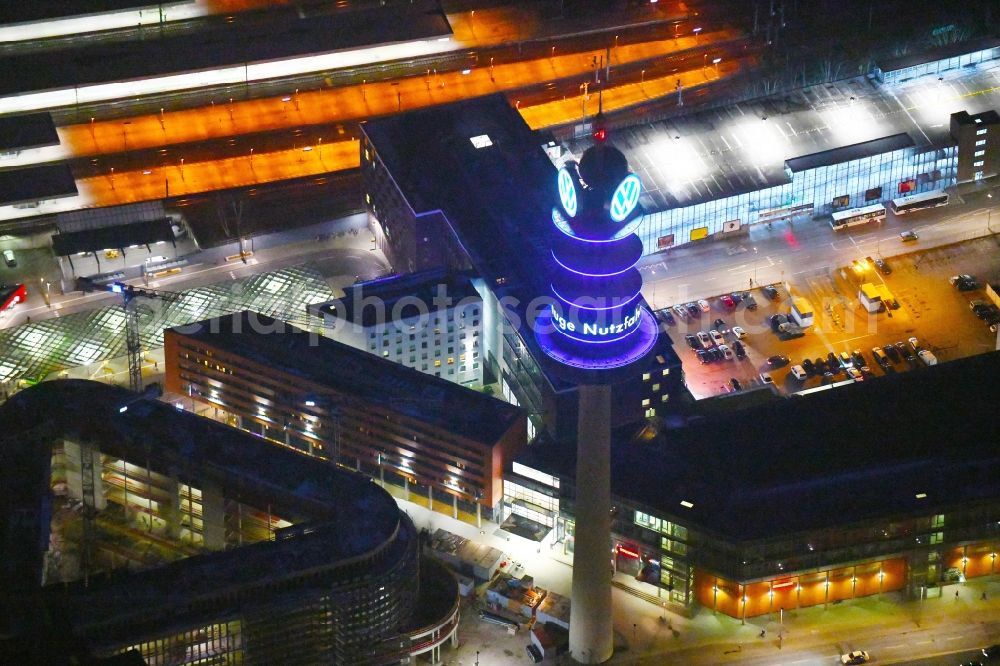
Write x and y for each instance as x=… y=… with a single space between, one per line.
x=596 y=327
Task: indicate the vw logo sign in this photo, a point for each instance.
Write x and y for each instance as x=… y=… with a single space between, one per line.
x=625 y=198
x=567 y=192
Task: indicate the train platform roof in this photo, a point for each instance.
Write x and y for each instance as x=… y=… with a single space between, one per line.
x=876 y=450
x=42 y=10
x=284 y=35
x=28 y=131
x=37 y=183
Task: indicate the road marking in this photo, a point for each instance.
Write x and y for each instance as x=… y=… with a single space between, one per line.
x=954 y=638
x=924 y=642
x=893 y=647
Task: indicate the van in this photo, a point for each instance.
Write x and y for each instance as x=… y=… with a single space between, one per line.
x=8 y=258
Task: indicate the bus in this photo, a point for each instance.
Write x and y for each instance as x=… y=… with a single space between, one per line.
x=11 y=296
x=932 y=199
x=855 y=216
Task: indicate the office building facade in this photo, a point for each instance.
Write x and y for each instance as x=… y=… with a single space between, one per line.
x=149 y=529
x=978 y=139
x=433 y=440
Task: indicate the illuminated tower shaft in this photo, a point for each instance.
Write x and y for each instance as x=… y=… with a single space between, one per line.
x=591 y=637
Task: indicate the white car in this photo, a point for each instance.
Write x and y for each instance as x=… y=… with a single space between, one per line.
x=703 y=338
x=766 y=378
x=717 y=337
x=856 y=657
x=727 y=352
x=681 y=312
x=927 y=356
x=799 y=372
x=855 y=374
x=739 y=332
x=155 y=259
x=914 y=344
x=704 y=305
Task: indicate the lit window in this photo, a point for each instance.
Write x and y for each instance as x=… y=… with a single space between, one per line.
x=656 y=388
x=977 y=164
x=982 y=131
x=645 y=402
x=385 y=354
x=437 y=363
x=451 y=360
x=978 y=175
x=666 y=371
x=664 y=397
x=981 y=142
x=651 y=412
x=645 y=376
x=980 y=153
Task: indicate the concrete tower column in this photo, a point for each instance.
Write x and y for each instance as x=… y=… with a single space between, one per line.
x=591 y=640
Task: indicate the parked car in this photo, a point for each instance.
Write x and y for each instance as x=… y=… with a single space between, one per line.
x=908 y=236
x=927 y=356
x=692 y=341
x=703 y=338
x=735 y=383
x=855 y=374
x=9 y=259
x=914 y=344
x=776 y=321
x=770 y=292
x=717 y=337
x=856 y=657
x=833 y=363
x=741 y=352
x=704 y=305
x=880 y=356
x=750 y=302
x=820 y=366
x=728 y=301
x=905 y=351
x=703 y=356
x=859 y=358
x=716 y=354
x=799 y=372
x=882 y=266
x=739 y=333
x=719 y=324
x=727 y=352
x=666 y=316
x=766 y=378
x=534 y=654
x=737 y=296
x=892 y=353
x=156 y=259
x=681 y=312
x=964 y=282
x=987 y=311
x=808 y=366
x=693 y=309
x=777 y=361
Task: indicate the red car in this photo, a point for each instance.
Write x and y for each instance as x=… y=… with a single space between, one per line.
x=11 y=295
x=728 y=301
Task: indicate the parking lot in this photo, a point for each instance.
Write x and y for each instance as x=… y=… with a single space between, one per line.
x=930 y=309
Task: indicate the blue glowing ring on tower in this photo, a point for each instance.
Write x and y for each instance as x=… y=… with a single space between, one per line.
x=625 y=198
x=567 y=192
x=596 y=318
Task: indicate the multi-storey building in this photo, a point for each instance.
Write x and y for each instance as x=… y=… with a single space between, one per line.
x=427 y=436
x=430 y=321
x=978 y=139
x=130 y=525
x=804 y=501
x=487 y=207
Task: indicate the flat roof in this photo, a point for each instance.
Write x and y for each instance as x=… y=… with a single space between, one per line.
x=94 y=240
x=28 y=131
x=181 y=442
x=423 y=287
x=847 y=153
x=939 y=53
x=498 y=199
x=39 y=10
x=37 y=183
x=854 y=453
x=282 y=35
x=716 y=153
x=990 y=117
x=356 y=373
